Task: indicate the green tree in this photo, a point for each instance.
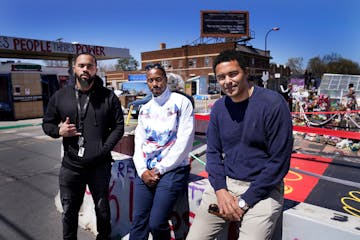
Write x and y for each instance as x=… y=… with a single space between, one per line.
x=316 y=66
x=332 y=63
x=343 y=66
x=127 y=64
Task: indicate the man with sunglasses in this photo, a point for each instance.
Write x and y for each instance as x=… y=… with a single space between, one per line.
x=249 y=144
x=163 y=140
x=90 y=121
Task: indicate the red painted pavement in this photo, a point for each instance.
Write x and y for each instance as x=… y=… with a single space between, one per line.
x=297 y=185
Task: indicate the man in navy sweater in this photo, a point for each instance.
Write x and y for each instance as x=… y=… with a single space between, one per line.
x=249 y=144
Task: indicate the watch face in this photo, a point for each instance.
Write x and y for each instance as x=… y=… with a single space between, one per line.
x=243 y=205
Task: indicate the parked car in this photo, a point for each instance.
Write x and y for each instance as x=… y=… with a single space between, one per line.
x=137 y=105
x=139 y=102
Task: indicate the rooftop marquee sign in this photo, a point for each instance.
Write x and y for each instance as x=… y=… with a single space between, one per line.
x=33 y=48
x=224 y=24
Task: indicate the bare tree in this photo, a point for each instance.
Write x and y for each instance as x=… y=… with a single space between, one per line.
x=316 y=66
x=296 y=65
x=103 y=67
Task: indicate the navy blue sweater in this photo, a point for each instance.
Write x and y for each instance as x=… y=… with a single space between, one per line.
x=250 y=141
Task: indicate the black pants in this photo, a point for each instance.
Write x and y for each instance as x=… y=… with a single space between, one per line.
x=72 y=189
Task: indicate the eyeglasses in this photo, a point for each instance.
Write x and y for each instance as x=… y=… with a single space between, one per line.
x=156 y=66
x=221 y=77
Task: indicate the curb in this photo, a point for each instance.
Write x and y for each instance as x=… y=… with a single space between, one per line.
x=19 y=126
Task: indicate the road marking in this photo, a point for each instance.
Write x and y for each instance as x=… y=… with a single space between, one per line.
x=4 y=148
x=25 y=134
x=9 y=131
x=44 y=137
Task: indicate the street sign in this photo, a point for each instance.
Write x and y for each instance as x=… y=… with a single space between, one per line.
x=265 y=76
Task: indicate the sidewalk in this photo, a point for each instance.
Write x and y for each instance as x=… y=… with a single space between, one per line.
x=20 y=123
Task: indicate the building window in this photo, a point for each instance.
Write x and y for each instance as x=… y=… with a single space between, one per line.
x=207 y=61
x=166 y=64
x=192 y=63
x=17 y=90
x=214 y=87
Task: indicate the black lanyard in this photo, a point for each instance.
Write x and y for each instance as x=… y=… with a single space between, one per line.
x=81 y=111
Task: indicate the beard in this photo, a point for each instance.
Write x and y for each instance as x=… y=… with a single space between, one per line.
x=85 y=83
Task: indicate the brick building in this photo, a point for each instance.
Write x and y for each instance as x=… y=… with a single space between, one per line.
x=196 y=60
x=189 y=61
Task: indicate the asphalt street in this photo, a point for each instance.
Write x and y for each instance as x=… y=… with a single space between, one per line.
x=29 y=166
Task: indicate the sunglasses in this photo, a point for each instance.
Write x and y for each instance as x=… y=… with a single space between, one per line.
x=156 y=66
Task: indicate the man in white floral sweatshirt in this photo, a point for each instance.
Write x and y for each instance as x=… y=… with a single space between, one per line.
x=163 y=141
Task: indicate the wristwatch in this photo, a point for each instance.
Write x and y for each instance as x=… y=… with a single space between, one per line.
x=243 y=205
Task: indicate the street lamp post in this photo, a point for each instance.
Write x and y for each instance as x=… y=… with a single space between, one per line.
x=273 y=29
x=265 y=76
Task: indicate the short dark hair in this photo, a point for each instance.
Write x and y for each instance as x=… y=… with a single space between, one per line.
x=230 y=55
x=351 y=85
x=85 y=53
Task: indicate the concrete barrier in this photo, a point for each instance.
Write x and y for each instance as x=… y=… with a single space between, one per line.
x=121 y=190
x=306 y=221
x=300 y=222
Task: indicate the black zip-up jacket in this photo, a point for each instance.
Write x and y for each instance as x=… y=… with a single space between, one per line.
x=103 y=125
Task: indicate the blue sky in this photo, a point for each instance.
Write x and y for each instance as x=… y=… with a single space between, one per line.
x=308 y=28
